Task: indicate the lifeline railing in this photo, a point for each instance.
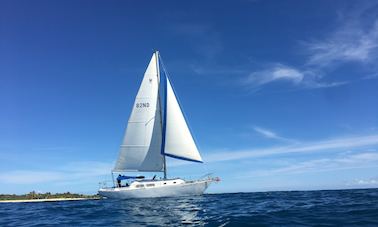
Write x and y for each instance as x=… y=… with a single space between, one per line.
x=210 y=178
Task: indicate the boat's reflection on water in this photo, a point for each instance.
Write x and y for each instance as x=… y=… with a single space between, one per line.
x=161 y=211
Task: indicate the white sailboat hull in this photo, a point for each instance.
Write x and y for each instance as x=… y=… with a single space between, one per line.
x=169 y=189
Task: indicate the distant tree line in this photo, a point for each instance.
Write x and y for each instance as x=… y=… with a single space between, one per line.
x=47 y=195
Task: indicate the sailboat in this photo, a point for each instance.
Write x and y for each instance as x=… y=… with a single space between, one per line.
x=156 y=129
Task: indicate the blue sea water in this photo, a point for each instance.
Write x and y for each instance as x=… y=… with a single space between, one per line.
x=320 y=208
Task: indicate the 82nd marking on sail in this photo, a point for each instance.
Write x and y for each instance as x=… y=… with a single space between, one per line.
x=142 y=105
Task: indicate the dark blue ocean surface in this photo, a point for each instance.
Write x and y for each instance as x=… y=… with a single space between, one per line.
x=335 y=208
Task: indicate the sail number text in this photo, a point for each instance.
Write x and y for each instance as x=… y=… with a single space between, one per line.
x=142 y=105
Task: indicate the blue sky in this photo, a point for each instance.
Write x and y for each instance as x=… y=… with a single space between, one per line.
x=279 y=95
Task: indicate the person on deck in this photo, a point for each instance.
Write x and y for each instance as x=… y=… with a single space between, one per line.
x=119 y=180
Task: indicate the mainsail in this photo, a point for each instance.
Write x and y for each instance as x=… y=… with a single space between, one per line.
x=140 y=150
x=149 y=135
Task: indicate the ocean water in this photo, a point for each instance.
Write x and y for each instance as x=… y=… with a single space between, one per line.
x=308 y=208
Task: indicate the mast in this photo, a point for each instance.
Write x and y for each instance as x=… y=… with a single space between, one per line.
x=161 y=120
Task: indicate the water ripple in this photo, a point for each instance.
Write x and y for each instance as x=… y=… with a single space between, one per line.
x=342 y=207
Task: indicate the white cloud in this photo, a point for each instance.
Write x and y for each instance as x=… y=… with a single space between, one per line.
x=365 y=182
x=265 y=132
x=71 y=172
x=275 y=73
x=371 y=76
x=297 y=77
x=317 y=84
x=270 y=134
x=362 y=160
x=30 y=177
x=304 y=147
x=348 y=43
x=87 y=169
x=355 y=39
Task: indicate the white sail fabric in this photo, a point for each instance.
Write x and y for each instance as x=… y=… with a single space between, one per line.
x=141 y=147
x=179 y=142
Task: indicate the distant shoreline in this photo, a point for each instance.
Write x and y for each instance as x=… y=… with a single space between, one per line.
x=45 y=200
x=44 y=197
